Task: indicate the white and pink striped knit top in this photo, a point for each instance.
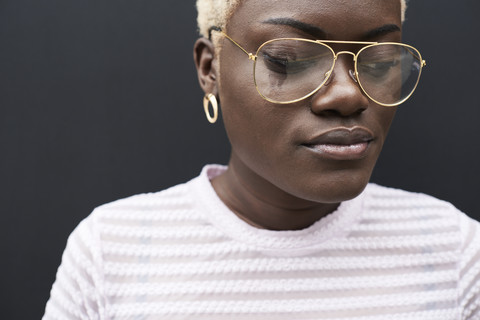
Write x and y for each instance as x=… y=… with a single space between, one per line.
x=182 y=254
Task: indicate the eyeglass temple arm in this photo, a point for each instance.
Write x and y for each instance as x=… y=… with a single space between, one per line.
x=423 y=63
x=251 y=56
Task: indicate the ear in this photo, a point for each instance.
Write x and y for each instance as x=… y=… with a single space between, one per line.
x=204 y=57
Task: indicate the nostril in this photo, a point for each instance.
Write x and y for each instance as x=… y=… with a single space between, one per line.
x=339 y=112
x=359 y=111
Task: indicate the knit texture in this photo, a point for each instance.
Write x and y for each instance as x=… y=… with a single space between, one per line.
x=182 y=254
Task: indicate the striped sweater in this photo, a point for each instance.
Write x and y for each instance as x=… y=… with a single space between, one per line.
x=182 y=254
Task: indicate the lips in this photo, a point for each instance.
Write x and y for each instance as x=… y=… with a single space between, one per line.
x=341 y=143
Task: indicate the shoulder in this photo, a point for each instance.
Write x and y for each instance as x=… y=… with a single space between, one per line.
x=401 y=200
x=443 y=232
x=421 y=211
x=170 y=205
x=181 y=199
x=423 y=218
x=174 y=212
x=172 y=197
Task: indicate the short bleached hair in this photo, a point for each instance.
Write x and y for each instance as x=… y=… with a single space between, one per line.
x=215 y=13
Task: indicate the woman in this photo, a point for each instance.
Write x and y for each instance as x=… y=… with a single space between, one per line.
x=291 y=229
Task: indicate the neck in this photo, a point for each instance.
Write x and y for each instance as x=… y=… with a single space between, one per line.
x=262 y=204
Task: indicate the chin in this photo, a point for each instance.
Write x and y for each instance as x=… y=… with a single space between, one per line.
x=334 y=189
x=346 y=193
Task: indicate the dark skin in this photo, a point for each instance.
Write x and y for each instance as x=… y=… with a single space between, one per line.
x=274 y=180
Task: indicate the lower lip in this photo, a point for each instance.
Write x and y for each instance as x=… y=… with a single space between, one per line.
x=341 y=152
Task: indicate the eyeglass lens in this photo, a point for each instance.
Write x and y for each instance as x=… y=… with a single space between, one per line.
x=287 y=70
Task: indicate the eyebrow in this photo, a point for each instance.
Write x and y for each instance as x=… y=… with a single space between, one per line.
x=383 y=30
x=319 y=33
x=314 y=31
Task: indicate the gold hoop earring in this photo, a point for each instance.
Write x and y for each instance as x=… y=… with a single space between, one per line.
x=210 y=99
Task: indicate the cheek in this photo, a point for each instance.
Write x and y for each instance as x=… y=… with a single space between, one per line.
x=257 y=129
x=235 y=74
x=251 y=125
x=243 y=109
x=385 y=117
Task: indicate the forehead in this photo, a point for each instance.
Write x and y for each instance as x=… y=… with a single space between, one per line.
x=341 y=19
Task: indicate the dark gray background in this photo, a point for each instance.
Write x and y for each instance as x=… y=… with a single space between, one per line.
x=99 y=100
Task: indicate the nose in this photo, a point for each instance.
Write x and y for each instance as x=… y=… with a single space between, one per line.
x=340 y=95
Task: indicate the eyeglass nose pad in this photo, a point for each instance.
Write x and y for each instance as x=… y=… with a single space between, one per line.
x=329 y=77
x=353 y=75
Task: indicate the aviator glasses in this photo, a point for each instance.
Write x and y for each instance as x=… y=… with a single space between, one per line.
x=287 y=70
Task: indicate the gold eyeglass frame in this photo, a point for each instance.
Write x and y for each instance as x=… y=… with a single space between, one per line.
x=253 y=57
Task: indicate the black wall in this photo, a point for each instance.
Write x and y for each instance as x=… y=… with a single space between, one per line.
x=99 y=100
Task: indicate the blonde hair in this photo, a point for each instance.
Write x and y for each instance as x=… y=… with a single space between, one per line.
x=215 y=13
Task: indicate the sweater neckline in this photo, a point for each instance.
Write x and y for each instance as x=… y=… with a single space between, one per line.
x=333 y=226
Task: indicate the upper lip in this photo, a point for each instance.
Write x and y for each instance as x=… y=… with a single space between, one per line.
x=342 y=136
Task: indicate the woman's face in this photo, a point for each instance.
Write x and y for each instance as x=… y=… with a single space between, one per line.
x=321 y=149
